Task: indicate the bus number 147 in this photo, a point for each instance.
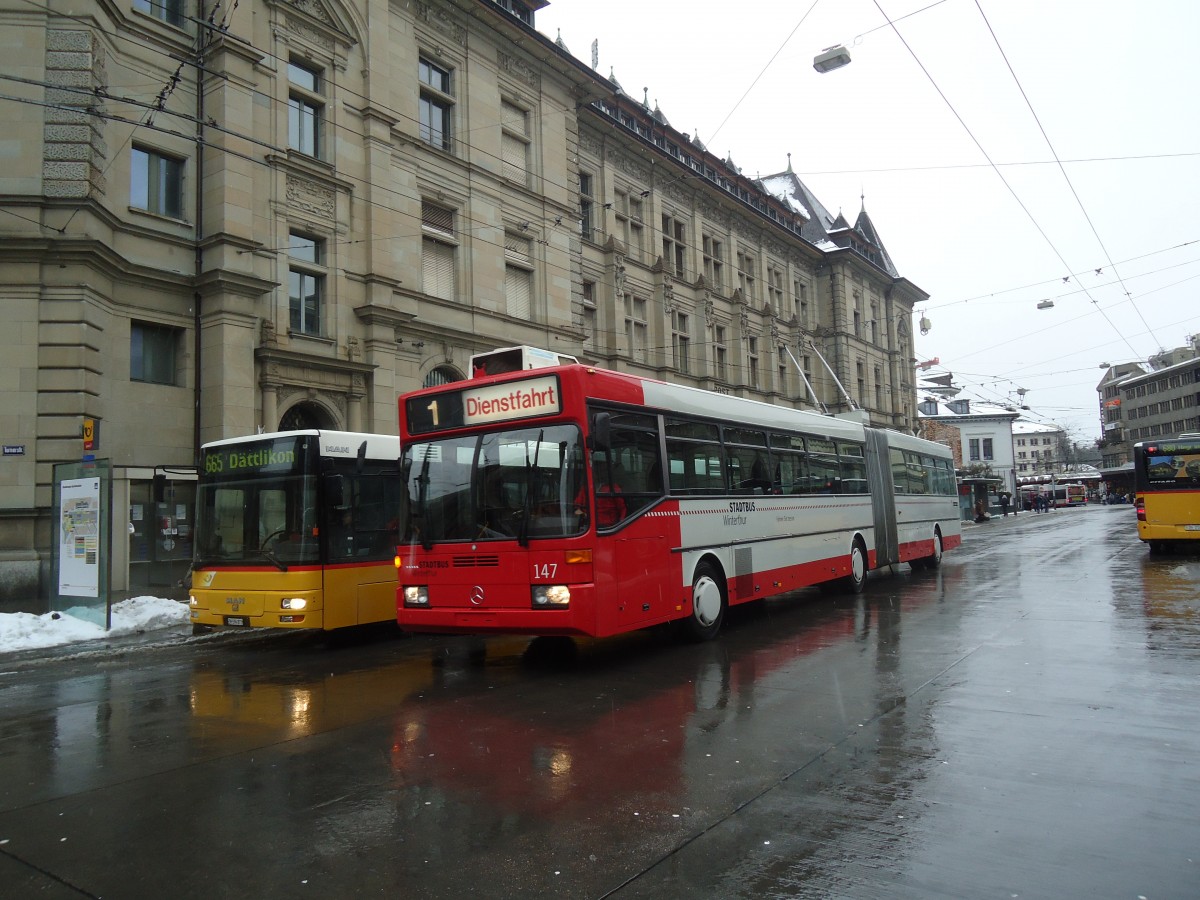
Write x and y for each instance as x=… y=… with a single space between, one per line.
x=544 y=571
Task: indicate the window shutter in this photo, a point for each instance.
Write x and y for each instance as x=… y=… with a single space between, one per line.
x=437 y=262
x=437 y=218
x=518 y=291
x=513 y=158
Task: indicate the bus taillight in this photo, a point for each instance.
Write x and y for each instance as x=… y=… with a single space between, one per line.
x=1141 y=508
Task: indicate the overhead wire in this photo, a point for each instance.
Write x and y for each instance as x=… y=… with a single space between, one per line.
x=1029 y=214
x=1063 y=170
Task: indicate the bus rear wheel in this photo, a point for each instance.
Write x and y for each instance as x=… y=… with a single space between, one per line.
x=709 y=603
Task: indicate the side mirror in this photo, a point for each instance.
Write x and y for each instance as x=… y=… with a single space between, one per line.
x=601 y=437
x=335 y=491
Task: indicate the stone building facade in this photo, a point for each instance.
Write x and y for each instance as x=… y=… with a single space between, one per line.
x=1139 y=402
x=284 y=213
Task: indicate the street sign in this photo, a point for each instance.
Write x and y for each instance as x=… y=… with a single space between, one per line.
x=89 y=434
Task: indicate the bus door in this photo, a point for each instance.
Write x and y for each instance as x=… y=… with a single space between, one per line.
x=627 y=475
x=883 y=498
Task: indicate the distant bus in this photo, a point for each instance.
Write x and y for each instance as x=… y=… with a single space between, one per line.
x=296 y=529
x=1058 y=494
x=1166 y=484
x=571 y=500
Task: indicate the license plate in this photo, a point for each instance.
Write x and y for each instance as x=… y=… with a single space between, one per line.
x=1191 y=527
x=237 y=620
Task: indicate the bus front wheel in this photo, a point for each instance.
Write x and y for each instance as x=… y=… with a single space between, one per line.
x=857 y=579
x=934 y=559
x=708 y=604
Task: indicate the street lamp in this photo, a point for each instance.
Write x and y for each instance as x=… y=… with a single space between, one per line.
x=831 y=58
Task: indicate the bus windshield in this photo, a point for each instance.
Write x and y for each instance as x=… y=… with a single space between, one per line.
x=257 y=504
x=517 y=484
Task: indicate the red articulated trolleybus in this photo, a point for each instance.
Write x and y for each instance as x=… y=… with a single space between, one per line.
x=564 y=499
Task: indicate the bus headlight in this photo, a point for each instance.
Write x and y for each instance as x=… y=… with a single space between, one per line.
x=192 y=600
x=416 y=595
x=293 y=603
x=551 y=596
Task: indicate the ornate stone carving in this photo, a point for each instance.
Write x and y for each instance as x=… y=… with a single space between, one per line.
x=628 y=166
x=310 y=197
x=314 y=36
x=589 y=143
x=440 y=20
x=674 y=191
x=314 y=8
x=518 y=68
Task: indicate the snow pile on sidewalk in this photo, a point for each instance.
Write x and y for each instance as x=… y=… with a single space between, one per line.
x=25 y=631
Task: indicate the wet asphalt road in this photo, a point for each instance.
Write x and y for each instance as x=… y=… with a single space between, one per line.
x=1022 y=724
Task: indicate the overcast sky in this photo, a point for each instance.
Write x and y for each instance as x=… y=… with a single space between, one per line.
x=916 y=122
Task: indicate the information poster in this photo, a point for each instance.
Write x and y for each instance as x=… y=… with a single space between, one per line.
x=79 y=538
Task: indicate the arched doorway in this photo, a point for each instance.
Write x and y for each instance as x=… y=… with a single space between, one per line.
x=441 y=375
x=306 y=415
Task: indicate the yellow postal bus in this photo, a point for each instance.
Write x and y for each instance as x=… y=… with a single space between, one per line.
x=296 y=529
x=1166 y=483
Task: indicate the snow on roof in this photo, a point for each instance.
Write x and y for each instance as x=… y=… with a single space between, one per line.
x=1021 y=426
x=782 y=187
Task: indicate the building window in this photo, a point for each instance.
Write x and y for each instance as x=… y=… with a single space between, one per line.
x=987 y=449
x=306 y=284
x=973 y=449
x=782 y=386
x=860 y=375
x=152 y=350
x=720 y=354
x=635 y=327
x=587 y=206
x=752 y=361
x=674 y=242
x=437 y=104
x=775 y=289
x=747 y=264
x=169 y=11
x=800 y=292
x=630 y=229
x=589 y=315
x=681 y=341
x=156 y=183
x=306 y=109
x=438 y=246
x=878 y=388
x=518 y=276
x=714 y=262
x=514 y=142
x=518 y=9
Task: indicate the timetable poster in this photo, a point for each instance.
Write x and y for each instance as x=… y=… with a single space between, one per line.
x=79 y=538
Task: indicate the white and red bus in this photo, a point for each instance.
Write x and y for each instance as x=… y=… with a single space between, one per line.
x=572 y=500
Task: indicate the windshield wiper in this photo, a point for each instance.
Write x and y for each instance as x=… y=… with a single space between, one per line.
x=530 y=469
x=422 y=492
x=271 y=558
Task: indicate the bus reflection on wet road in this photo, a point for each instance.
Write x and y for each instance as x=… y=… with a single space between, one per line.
x=1020 y=723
